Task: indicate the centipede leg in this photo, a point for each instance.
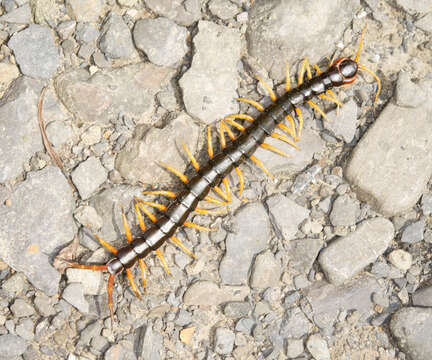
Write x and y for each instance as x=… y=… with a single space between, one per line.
x=274 y=149
x=241 y=179
x=284 y=139
x=191 y=157
x=287 y=77
x=253 y=103
x=261 y=166
x=161 y=257
x=268 y=88
x=300 y=120
x=177 y=241
x=240 y=116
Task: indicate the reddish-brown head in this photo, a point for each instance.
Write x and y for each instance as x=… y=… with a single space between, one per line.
x=347 y=69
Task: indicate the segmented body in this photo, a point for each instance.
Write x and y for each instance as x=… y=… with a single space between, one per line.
x=342 y=72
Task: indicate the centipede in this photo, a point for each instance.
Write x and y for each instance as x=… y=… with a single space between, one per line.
x=245 y=135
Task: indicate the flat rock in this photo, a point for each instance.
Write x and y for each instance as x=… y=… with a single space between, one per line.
x=91 y=282
x=12 y=346
x=272 y=39
x=425 y=23
x=266 y=271
x=224 y=341
x=113 y=92
x=74 y=295
x=162 y=40
x=198 y=294
x=408 y=94
x=85 y=10
x=38 y=223
x=412 y=328
x=343 y=123
x=345 y=211
x=415 y=6
x=182 y=12
x=423 y=297
x=392 y=163
x=327 y=300
x=20 y=15
x=8 y=73
x=285 y=215
x=35 y=51
x=19 y=128
x=116 y=39
x=88 y=176
x=414 y=232
x=309 y=143
x=137 y=163
x=302 y=254
x=251 y=233
x=209 y=86
x=350 y=254
x=318 y=347
x=295 y=324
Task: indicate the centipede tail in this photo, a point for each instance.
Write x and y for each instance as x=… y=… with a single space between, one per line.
x=235 y=150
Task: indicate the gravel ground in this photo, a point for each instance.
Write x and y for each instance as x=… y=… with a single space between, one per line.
x=331 y=260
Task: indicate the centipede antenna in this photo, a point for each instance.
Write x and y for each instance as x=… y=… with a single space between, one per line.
x=274 y=149
x=261 y=166
x=86 y=267
x=110 y=287
x=166 y=193
x=191 y=157
x=176 y=172
x=318 y=109
x=268 y=88
x=241 y=179
x=364 y=68
x=252 y=102
x=240 y=116
x=361 y=42
x=285 y=139
x=287 y=77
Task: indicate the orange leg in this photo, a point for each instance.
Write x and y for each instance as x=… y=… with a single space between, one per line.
x=177 y=241
x=166 y=193
x=241 y=179
x=285 y=139
x=240 y=116
x=209 y=143
x=268 y=88
x=177 y=173
x=161 y=257
x=253 y=103
x=261 y=166
x=197 y=227
x=274 y=149
x=191 y=157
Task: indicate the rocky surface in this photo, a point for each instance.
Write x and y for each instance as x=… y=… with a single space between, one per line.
x=328 y=260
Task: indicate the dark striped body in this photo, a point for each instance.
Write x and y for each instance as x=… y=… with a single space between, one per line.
x=224 y=162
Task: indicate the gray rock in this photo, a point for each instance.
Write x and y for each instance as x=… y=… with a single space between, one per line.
x=21 y=15
x=237 y=309
x=136 y=162
x=224 y=341
x=12 y=346
x=425 y=23
x=32 y=229
x=88 y=217
x=295 y=324
x=245 y=325
x=408 y=94
x=328 y=300
x=392 y=163
x=66 y=28
x=35 y=51
x=19 y=129
x=182 y=12
x=345 y=211
x=183 y=318
x=223 y=9
x=59 y=133
x=266 y=271
x=43 y=305
x=20 y=308
x=412 y=328
x=305 y=178
x=116 y=39
x=113 y=92
x=285 y=215
x=25 y=329
x=209 y=86
x=152 y=345
x=89 y=332
x=426 y=204
x=423 y=297
x=16 y=284
x=343 y=124
x=93 y=282
x=271 y=41
x=310 y=143
x=415 y=6
x=86 y=32
x=302 y=254
x=350 y=254
x=88 y=176
x=318 y=347
x=85 y=10
x=91 y=135
x=414 y=232
x=74 y=295
x=45 y=12
x=401 y=259
x=162 y=41
x=294 y=348
x=252 y=230
x=197 y=294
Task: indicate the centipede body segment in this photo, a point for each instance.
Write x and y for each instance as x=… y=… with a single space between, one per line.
x=209 y=177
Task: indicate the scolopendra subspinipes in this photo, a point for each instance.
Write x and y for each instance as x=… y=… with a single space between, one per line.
x=341 y=72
